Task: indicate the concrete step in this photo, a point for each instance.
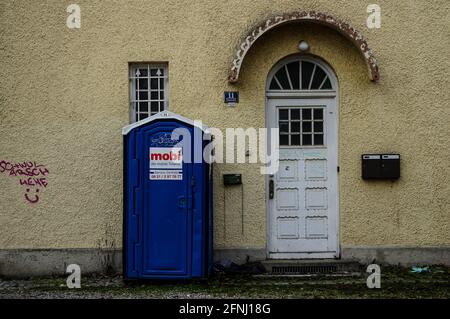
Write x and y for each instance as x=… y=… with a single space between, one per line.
x=310 y=266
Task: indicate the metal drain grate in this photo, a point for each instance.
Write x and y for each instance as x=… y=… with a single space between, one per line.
x=304 y=269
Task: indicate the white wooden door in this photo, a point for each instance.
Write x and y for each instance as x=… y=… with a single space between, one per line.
x=303 y=194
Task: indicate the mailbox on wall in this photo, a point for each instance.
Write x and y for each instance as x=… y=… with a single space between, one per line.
x=167 y=199
x=380 y=166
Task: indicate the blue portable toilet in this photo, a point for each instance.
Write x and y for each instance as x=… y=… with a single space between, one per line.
x=167 y=199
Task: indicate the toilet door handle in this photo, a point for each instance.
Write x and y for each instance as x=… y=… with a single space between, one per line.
x=271 y=187
x=184 y=202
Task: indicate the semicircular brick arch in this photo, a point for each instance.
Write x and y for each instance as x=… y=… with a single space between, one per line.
x=304 y=16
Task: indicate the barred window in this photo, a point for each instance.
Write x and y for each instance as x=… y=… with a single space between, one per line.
x=148 y=83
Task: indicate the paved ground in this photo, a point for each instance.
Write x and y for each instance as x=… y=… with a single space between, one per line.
x=395 y=283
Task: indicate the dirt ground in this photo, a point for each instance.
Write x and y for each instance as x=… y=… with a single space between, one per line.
x=396 y=282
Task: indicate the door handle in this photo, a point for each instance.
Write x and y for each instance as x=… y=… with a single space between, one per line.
x=271 y=186
x=184 y=202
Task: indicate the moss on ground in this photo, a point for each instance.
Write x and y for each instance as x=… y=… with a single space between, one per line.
x=396 y=282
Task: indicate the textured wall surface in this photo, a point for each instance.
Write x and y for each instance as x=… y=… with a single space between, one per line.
x=64 y=97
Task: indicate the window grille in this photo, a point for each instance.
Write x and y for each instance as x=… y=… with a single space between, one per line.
x=149 y=86
x=301 y=126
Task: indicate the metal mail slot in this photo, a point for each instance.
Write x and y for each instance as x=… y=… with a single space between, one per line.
x=232 y=179
x=380 y=166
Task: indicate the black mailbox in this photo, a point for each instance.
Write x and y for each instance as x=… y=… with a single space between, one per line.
x=232 y=179
x=380 y=166
x=371 y=166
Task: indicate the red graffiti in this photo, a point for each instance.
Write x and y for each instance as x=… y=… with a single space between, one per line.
x=23 y=169
x=30 y=174
x=34 y=182
x=36 y=198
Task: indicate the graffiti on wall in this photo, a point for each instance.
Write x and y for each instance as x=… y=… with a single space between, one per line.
x=30 y=175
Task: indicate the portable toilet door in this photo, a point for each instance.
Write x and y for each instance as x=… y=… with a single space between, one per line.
x=166 y=216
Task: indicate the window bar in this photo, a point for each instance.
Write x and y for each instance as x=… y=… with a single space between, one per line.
x=158 y=77
x=312 y=76
x=288 y=76
x=301 y=125
x=323 y=82
x=278 y=82
x=312 y=126
x=166 y=88
x=290 y=130
x=161 y=91
x=149 y=96
x=300 y=76
x=133 y=98
x=138 y=114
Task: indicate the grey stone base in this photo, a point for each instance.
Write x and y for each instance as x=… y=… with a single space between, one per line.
x=239 y=255
x=47 y=262
x=53 y=262
x=383 y=255
x=404 y=256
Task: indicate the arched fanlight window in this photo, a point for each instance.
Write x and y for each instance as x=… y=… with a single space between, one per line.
x=300 y=75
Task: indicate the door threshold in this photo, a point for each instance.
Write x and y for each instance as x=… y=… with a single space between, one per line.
x=303 y=256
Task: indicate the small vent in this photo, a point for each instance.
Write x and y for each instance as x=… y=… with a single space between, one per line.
x=304 y=269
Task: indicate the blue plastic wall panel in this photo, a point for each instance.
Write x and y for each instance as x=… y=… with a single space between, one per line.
x=210 y=226
x=131 y=235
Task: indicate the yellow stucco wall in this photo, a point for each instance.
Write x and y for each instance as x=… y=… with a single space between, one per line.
x=64 y=98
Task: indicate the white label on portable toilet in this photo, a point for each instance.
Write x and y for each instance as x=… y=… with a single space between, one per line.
x=160 y=174
x=166 y=163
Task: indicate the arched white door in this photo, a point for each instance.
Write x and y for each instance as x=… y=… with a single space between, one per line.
x=302 y=197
